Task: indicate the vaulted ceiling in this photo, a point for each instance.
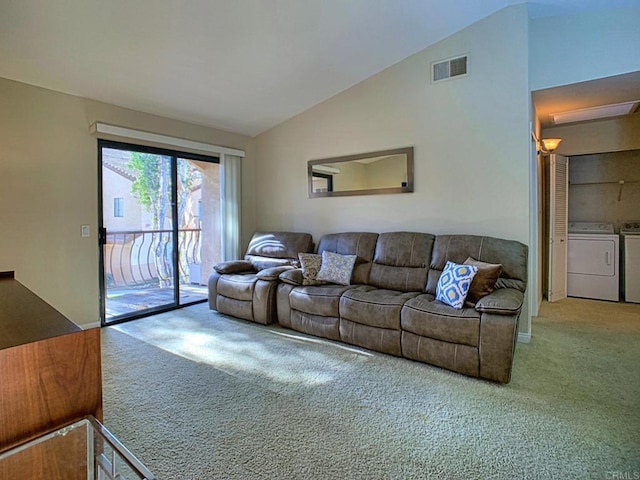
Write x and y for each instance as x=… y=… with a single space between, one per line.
x=237 y=65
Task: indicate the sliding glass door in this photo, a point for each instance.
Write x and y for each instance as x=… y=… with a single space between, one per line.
x=159 y=232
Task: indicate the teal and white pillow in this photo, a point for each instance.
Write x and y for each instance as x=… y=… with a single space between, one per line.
x=453 y=285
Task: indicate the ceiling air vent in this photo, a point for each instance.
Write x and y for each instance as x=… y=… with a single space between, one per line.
x=453 y=67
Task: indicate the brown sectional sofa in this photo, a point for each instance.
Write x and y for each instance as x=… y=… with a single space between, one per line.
x=390 y=305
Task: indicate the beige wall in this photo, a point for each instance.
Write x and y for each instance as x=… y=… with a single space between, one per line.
x=597 y=136
x=453 y=126
x=595 y=194
x=576 y=48
x=49 y=188
x=602 y=151
x=464 y=181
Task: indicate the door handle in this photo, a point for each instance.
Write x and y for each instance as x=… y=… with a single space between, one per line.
x=607 y=257
x=102 y=236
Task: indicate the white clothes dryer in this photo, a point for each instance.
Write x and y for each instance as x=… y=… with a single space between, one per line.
x=630 y=232
x=593 y=262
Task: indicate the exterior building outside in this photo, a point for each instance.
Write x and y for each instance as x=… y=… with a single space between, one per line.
x=137 y=252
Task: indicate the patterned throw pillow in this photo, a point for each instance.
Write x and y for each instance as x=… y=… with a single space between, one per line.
x=453 y=285
x=336 y=268
x=310 y=263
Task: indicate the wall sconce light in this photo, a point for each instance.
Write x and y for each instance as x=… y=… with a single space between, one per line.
x=545 y=145
x=548 y=145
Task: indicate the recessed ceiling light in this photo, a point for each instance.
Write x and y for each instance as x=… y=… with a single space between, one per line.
x=593 y=113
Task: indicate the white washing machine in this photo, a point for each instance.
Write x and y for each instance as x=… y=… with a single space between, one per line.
x=593 y=265
x=630 y=232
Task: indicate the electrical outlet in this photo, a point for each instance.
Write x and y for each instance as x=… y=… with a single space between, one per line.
x=86 y=232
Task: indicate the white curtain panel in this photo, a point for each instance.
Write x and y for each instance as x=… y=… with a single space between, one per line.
x=230 y=206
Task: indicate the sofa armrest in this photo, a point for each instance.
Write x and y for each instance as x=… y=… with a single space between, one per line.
x=273 y=273
x=496 y=348
x=234 y=266
x=292 y=276
x=504 y=301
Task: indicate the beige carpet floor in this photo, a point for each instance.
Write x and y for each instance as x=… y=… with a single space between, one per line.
x=197 y=395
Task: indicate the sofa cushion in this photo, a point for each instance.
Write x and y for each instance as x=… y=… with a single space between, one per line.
x=427 y=317
x=368 y=305
x=272 y=274
x=318 y=300
x=360 y=244
x=404 y=249
x=233 y=266
x=279 y=245
x=453 y=284
x=505 y=301
x=262 y=263
x=237 y=286
x=485 y=280
x=336 y=268
x=401 y=261
x=292 y=277
x=457 y=248
x=405 y=279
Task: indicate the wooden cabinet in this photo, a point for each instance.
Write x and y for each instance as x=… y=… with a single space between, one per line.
x=50 y=369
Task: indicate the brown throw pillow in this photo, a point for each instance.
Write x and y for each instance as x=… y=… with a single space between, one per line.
x=485 y=280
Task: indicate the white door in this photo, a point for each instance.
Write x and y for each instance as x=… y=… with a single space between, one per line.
x=558 y=221
x=592 y=256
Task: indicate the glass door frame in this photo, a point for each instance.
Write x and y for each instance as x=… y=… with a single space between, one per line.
x=102 y=232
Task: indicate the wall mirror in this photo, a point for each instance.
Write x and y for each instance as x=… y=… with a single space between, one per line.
x=386 y=171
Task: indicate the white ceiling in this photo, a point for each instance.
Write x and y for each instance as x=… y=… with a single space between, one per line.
x=238 y=65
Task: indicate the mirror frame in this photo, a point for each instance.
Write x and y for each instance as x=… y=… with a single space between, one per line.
x=408 y=151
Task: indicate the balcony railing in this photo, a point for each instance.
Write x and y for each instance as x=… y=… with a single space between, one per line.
x=144 y=257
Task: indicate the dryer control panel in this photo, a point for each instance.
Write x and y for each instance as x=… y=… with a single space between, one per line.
x=590 y=227
x=630 y=228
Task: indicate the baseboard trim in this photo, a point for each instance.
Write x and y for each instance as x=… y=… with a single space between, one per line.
x=524 y=337
x=87 y=326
